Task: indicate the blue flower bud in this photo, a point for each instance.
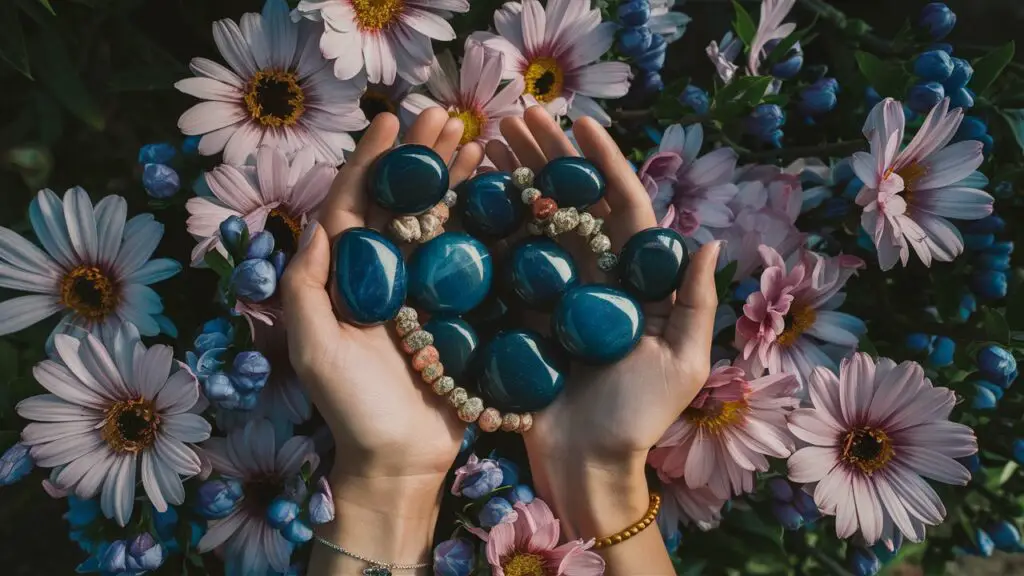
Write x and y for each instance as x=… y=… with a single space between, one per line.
x=984 y=399
x=454 y=558
x=791 y=62
x=321 y=508
x=862 y=561
x=998 y=262
x=217 y=498
x=157 y=153
x=144 y=553
x=279 y=259
x=997 y=390
x=962 y=98
x=972 y=128
x=961 y=75
x=872 y=97
x=469 y=437
x=1001 y=248
x=819 y=98
x=924 y=96
x=495 y=511
x=944 y=46
x=160 y=180
x=745 y=288
x=917 y=342
x=114 y=559
x=764 y=123
x=217 y=333
x=649 y=82
x=983 y=543
x=934 y=65
x=15 y=464
x=989 y=284
x=942 y=352
x=218 y=387
x=989 y=224
x=1005 y=536
x=481 y=483
x=254 y=280
x=635 y=40
x=997 y=364
x=805 y=505
x=780 y=489
x=696 y=98
x=231 y=231
x=209 y=363
x=250 y=371
x=937 y=19
x=634 y=13
x=787 y=515
x=852 y=189
x=522 y=493
x=297 y=532
x=978 y=241
x=245 y=402
x=652 y=59
x=190 y=145
x=509 y=472
x=281 y=512
x=260 y=245
x=968 y=306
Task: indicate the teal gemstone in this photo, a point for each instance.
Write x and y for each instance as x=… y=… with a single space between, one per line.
x=571 y=181
x=652 y=263
x=490 y=206
x=540 y=271
x=455 y=341
x=369 y=277
x=520 y=371
x=409 y=179
x=451 y=274
x=597 y=324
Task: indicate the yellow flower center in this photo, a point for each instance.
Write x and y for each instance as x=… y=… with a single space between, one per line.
x=544 y=79
x=274 y=98
x=869 y=449
x=285 y=228
x=376 y=15
x=89 y=292
x=472 y=123
x=800 y=318
x=260 y=491
x=911 y=175
x=521 y=564
x=130 y=425
x=375 y=102
x=714 y=417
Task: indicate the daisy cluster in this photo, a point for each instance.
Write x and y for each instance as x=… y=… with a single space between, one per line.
x=864 y=345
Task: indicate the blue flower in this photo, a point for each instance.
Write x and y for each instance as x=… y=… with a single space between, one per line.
x=819 y=98
x=937 y=19
x=792 y=61
x=653 y=58
x=780 y=489
x=787 y=515
x=157 y=153
x=648 y=83
x=634 y=12
x=964 y=98
x=144 y=554
x=862 y=561
x=250 y=371
x=297 y=532
x=260 y=245
x=114 y=559
x=972 y=463
x=764 y=123
x=160 y=181
x=961 y=75
x=983 y=543
x=217 y=498
x=221 y=391
x=15 y=464
x=672 y=540
x=1000 y=262
x=254 y=280
x=924 y=96
x=997 y=365
x=635 y=40
x=805 y=505
x=282 y=512
x=917 y=342
x=454 y=558
x=496 y=511
x=1018 y=451
x=1003 y=189
x=232 y=230
x=968 y=306
x=1005 y=536
x=933 y=65
x=984 y=399
x=216 y=333
x=989 y=284
x=978 y=241
x=942 y=352
x=279 y=259
x=522 y=493
x=1005 y=247
x=991 y=224
x=190 y=145
x=696 y=98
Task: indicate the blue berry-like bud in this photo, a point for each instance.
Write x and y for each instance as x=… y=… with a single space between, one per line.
x=1003 y=189
x=635 y=40
x=972 y=128
x=996 y=389
x=862 y=561
x=114 y=559
x=282 y=512
x=254 y=280
x=805 y=505
x=989 y=224
x=522 y=493
x=1001 y=248
x=217 y=498
x=297 y=532
x=649 y=83
x=481 y=483
x=790 y=64
x=634 y=13
x=160 y=181
x=260 y=245
x=983 y=543
x=942 y=352
x=653 y=59
x=924 y=96
x=984 y=399
x=934 y=65
x=454 y=558
x=157 y=153
x=962 y=98
x=917 y=342
x=787 y=515
x=218 y=387
x=944 y=46
x=997 y=364
x=989 y=284
x=978 y=241
x=15 y=464
x=764 y=123
x=495 y=511
x=190 y=145
x=961 y=75
x=972 y=463
x=144 y=554
x=696 y=98
x=819 y=98
x=250 y=371
x=1000 y=262
x=1005 y=536
x=232 y=229
x=780 y=489
x=937 y=19
x=968 y=306
x=279 y=259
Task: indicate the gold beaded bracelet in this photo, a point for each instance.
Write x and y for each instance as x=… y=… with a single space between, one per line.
x=647 y=520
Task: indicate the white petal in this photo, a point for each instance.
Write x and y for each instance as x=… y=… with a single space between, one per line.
x=52 y=408
x=154 y=271
x=151 y=373
x=24 y=311
x=186 y=427
x=46 y=212
x=233 y=47
x=209 y=116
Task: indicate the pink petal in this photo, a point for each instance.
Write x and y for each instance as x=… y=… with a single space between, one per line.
x=812 y=463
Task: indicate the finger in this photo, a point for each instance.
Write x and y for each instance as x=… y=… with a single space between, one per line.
x=449 y=138
x=308 y=314
x=427 y=127
x=548 y=134
x=501 y=155
x=692 y=320
x=466 y=162
x=522 y=142
x=346 y=203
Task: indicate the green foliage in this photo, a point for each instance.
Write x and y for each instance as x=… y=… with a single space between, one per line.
x=743 y=25
x=988 y=68
x=887 y=77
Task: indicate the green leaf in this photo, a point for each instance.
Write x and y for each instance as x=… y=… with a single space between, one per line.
x=218 y=263
x=888 y=78
x=744 y=24
x=1015 y=118
x=988 y=67
x=780 y=50
x=53 y=67
x=866 y=345
x=996 y=328
x=1008 y=471
x=46 y=4
x=12 y=40
x=723 y=279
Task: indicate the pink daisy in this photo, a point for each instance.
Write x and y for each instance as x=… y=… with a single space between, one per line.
x=875 y=433
x=555 y=53
x=471 y=94
x=785 y=324
x=723 y=436
x=769 y=27
x=681 y=504
x=278 y=91
x=386 y=38
x=275 y=195
x=909 y=193
x=690 y=194
x=111 y=414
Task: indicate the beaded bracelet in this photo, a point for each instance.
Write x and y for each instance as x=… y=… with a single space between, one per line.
x=633 y=530
x=423 y=227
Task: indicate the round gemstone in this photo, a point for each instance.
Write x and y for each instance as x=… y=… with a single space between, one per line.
x=451 y=274
x=369 y=277
x=520 y=371
x=597 y=324
x=455 y=341
x=571 y=181
x=540 y=271
x=409 y=179
x=652 y=263
x=490 y=206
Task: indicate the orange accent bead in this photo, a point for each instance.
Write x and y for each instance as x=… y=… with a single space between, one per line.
x=489 y=420
x=425 y=357
x=525 y=422
x=543 y=208
x=432 y=372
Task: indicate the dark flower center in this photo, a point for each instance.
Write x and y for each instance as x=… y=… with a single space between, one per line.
x=523 y=564
x=286 y=230
x=869 y=449
x=800 y=318
x=131 y=425
x=374 y=102
x=90 y=292
x=260 y=491
x=274 y=98
x=544 y=79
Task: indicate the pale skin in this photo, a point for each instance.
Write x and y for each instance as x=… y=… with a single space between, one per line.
x=395 y=440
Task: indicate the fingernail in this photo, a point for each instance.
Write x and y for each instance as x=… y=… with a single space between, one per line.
x=308 y=233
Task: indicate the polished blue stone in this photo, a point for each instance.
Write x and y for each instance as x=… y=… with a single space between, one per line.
x=409 y=179
x=540 y=271
x=652 y=263
x=490 y=206
x=369 y=277
x=597 y=324
x=520 y=371
x=571 y=181
x=455 y=341
x=451 y=274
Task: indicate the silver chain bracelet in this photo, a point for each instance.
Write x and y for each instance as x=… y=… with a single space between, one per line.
x=376 y=568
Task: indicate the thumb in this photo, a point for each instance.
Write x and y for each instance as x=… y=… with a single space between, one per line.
x=692 y=321
x=308 y=314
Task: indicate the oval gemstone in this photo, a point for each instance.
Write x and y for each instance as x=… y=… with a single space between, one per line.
x=520 y=371
x=490 y=205
x=652 y=263
x=451 y=274
x=455 y=341
x=571 y=181
x=597 y=324
x=369 y=277
x=409 y=179
x=540 y=271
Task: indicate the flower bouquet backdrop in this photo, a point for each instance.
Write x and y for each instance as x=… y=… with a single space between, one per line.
x=161 y=160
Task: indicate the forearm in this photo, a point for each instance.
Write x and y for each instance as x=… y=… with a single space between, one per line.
x=383 y=519
x=593 y=500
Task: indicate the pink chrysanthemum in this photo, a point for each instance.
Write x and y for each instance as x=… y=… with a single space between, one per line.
x=874 y=432
x=690 y=194
x=683 y=505
x=908 y=194
x=785 y=324
x=555 y=52
x=723 y=436
x=769 y=27
x=471 y=94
